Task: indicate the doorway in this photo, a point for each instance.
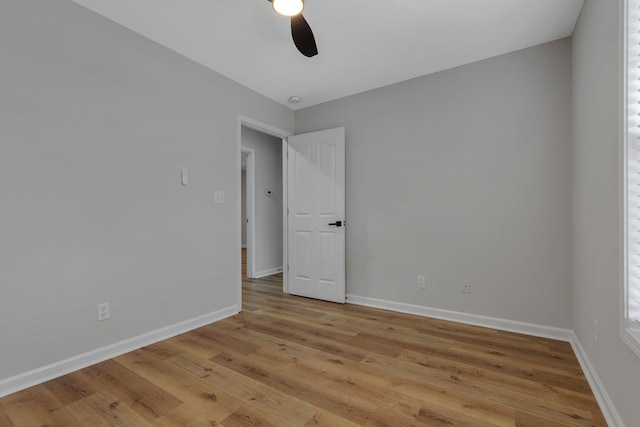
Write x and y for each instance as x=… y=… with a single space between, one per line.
x=310 y=244
x=263 y=198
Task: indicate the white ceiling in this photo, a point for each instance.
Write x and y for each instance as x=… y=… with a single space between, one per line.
x=362 y=44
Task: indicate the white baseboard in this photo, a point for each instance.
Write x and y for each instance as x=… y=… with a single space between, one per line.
x=606 y=405
x=265 y=273
x=63 y=367
x=471 y=319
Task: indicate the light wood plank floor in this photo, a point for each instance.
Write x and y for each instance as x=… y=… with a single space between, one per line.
x=289 y=361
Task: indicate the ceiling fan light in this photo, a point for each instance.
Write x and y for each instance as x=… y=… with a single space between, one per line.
x=288 y=7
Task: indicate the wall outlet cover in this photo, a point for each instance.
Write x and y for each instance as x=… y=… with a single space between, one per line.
x=421 y=282
x=103 y=311
x=466 y=287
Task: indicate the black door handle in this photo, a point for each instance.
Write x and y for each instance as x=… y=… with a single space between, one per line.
x=337 y=223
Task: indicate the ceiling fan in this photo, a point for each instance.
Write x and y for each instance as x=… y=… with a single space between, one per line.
x=300 y=29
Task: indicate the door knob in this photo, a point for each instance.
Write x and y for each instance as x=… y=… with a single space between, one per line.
x=337 y=223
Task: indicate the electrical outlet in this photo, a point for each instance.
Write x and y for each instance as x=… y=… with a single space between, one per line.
x=103 y=311
x=595 y=329
x=466 y=287
x=421 y=282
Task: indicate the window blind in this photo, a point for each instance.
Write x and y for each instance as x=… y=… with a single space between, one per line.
x=632 y=291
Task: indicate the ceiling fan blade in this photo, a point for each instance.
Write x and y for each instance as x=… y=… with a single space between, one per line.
x=303 y=36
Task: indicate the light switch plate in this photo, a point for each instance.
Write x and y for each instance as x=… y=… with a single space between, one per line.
x=184 y=175
x=218 y=196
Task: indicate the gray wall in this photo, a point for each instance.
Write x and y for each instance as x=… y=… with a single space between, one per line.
x=597 y=243
x=95 y=124
x=268 y=209
x=462 y=175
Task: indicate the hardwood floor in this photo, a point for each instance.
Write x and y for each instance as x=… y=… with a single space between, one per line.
x=289 y=361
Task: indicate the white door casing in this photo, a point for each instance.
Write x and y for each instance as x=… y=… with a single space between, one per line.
x=316 y=197
x=250 y=202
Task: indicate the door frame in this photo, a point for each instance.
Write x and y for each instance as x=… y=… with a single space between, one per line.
x=278 y=133
x=250 y=201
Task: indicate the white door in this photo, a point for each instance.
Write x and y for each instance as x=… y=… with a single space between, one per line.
x=316 y=228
